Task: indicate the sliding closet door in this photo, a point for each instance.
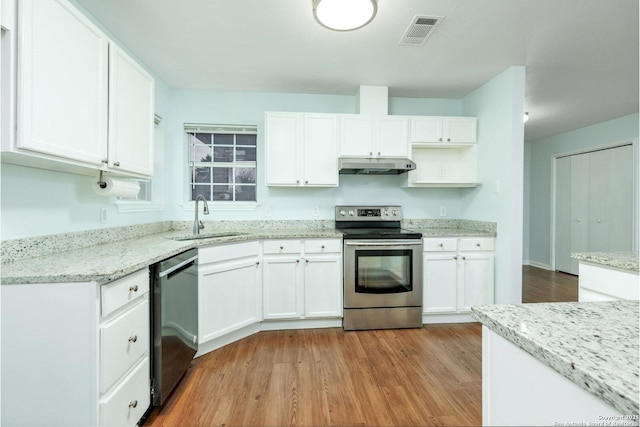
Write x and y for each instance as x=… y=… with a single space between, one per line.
x=594 y=209
x=563 y=214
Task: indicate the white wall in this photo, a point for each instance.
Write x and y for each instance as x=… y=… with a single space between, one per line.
x=540 y=153
x=499 y=105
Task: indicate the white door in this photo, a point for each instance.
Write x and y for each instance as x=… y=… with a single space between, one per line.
x=621 y=201
x=476 y=280
x=321 y=149
x=283 y=134
x=392 y=136
x=579 y=198
x=356 y=135
x=131 y=106
x=563 y=214
x=62 y=93
x=323 y=286
x=426 y=129
x=459 y=129
x=281 y=287
x=440 y=282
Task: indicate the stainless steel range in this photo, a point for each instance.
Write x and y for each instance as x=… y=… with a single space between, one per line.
x=382 y=269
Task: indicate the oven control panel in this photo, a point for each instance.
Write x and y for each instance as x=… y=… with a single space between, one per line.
x=368 y=213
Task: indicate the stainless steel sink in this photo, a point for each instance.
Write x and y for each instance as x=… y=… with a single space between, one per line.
x=208 y=235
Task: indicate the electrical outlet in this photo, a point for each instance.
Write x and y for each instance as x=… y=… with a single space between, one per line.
x=316 y=211
x=103 y=215
x=443 y=211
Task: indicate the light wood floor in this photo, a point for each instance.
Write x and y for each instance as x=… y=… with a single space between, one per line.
x=329 y=377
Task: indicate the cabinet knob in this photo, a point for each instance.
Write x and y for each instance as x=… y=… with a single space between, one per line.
x=371 y=153
x=378 y=153
x=133 y=338
x=440 y=139
x=322 y=247
x=297 y=181
x=448 y=139
x=306 y=181
x=257 y=262
x=133 y=288
x=464 y=257
x=598 y=220
x=441 y=245
x=133 y=404
x=281 y=247
x=478 y=244
x=105 y=161
x=307 y=261
x=579 y=219
x=297 y=261
x=455 y=257
x=116 y=164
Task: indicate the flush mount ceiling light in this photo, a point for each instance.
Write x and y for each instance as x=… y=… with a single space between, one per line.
x=344 y=15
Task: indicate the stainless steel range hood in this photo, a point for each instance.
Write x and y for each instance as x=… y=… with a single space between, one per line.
x=377 y=166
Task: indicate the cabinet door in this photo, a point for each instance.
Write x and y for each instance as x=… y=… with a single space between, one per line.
x=459 y=129
x=321 y=149
x=131 y=106
x=62 y=87
x=283 y=132
x=476 y=280
x=323 y=286
x=281 y=287
x=440 y=278
x=228 y=297
x=392 y=136
x=579 y=200
x=426 y=129
x=356 y=135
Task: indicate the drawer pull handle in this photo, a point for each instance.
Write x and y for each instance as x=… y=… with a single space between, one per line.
x=133 y=338
x=281 y=247
x=133 y=288
x=441 y=245
x=478 y=244
x=322 y=247
x=133 y=404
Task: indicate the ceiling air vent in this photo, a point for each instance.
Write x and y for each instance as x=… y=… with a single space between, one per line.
x=421 y=27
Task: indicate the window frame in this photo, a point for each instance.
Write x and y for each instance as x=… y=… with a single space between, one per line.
x=232 y=205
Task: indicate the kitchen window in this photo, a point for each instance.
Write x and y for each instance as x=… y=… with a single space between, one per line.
x=222 y=162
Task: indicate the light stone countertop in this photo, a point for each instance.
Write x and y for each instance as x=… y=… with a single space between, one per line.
x=106 y=255
x=593 y=344
x=622 y=260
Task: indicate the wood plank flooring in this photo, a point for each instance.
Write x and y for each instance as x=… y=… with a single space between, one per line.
x=329 y=377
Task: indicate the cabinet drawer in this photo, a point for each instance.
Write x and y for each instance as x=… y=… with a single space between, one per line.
x=476 y=244
x=447 y=244
x=228 y=252
x=123 y=341
x=282 y=246
x=320 y=246
x=117 y=294
x=128 y=403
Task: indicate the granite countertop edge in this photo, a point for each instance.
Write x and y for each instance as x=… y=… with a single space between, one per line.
x=623 y=400
x=625 y=260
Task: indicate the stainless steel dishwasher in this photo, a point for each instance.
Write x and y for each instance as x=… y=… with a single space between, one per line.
x=174 y=322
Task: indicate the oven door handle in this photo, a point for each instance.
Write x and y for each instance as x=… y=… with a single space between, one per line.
x=396 y=243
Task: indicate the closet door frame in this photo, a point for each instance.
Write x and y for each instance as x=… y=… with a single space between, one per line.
x=636 y=189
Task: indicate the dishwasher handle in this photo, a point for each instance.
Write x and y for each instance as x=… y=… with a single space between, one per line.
x=178 y=268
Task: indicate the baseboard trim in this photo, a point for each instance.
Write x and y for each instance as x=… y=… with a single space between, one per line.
x=537 y=264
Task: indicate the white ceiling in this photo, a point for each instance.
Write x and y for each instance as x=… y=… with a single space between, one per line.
x=581 y=55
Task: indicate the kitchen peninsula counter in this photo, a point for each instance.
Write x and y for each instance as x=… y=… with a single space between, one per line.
x=592 y=344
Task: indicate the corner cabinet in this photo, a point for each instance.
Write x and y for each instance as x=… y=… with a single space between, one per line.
x=302 y=279
x=363 y=135
x=301 y=149
x=82 y=104
x=445 y=152
x=230 y=292
x=457 y=273
x=80 y=350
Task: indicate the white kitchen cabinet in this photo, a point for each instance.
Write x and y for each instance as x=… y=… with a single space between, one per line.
x=363 y=135
x=458 y=273
x=598 y=282
x=433 y=129
x=131 y=106
x=301 y=149
x=302 y=279
x=82 y=104
x=229 y=289
x=85 y=347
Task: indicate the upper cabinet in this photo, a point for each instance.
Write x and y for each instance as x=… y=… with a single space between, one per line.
x=374 y=136
x=301 y=149
x=82 y=103
x=443 y=129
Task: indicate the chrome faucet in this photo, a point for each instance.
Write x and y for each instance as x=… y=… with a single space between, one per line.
x=198 y=225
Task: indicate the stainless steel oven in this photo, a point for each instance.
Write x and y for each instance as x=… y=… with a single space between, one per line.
x=382 y=269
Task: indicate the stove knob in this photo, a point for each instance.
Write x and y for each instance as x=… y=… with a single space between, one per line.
x=343 y=212
x=395 y=212
x=351 y=213
x=385 y=213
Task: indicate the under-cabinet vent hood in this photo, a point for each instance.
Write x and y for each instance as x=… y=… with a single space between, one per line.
x=375 y=166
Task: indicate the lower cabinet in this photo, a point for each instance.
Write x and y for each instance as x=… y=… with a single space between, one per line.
x=302 y=279
x=458 y=273
x=76 y=354
x=229 y=288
